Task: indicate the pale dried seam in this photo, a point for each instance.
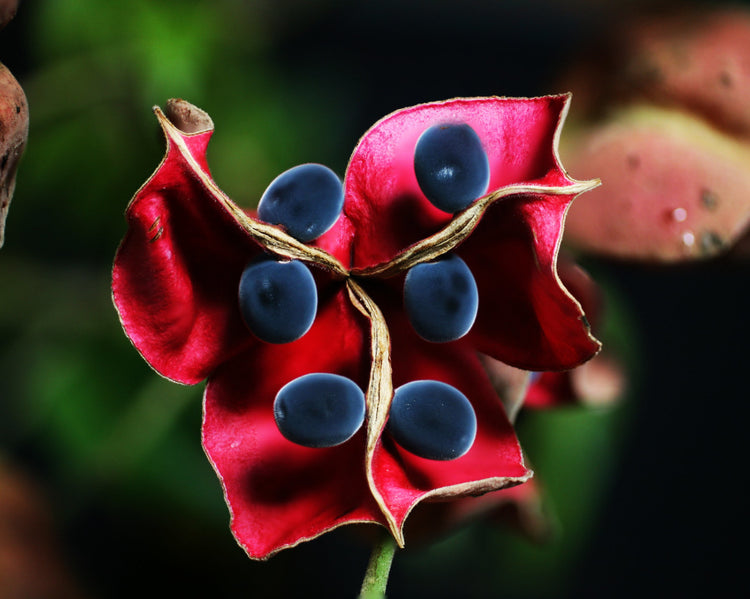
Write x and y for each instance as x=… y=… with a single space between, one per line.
x=473 y=488
x=270 y=237
x=461 y=226
x=379 y=390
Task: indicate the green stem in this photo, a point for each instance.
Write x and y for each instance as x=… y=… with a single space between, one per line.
x=376 y=577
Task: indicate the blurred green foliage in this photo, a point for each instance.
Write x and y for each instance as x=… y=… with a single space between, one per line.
x=101 y=67
x=117 y=447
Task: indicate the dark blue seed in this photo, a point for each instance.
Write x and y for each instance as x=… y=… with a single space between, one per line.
x=451 y=166
x=278 y=300
x=441 y=299
x=319 y=409
x=306 y=200
x=432 y=420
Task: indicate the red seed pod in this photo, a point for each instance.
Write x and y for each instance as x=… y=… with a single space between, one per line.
x=175 y=282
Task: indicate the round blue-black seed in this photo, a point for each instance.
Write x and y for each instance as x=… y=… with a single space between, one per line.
x=432 y=420
x=319 y=409
x=441 y=299
x=306 y=200
x=451 y=166
x=278 y=299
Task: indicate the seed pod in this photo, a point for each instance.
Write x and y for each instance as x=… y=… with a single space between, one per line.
x=662 y=117
x=673 y=187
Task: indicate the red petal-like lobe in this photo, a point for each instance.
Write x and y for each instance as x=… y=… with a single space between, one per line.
x=177 y=271
x=494 y=461
x=526 y=318
x=279 y=493
x=383 y=202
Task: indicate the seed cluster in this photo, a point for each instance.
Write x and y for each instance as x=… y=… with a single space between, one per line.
x=278 y=302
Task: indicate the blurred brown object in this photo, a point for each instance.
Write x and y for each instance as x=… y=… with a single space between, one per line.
x=661 y=113
x=31 y=564
x=14 y=129
x=7 y=11
x=14 y=124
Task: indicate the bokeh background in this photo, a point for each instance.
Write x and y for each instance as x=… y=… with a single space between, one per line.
x=101 y=458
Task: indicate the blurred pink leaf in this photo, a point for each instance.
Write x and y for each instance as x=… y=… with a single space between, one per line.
x=663 y=118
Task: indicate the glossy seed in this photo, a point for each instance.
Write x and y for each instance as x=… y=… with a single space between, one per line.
x=319 y=410
x=305 y=200
x=278 y=300
x=432 y=420
x=451 y=166
x=441 y=299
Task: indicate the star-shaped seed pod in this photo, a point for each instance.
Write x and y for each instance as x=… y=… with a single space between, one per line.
x=175 y=285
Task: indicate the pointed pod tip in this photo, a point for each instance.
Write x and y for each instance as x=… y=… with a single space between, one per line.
x=184 y=116
x=580 y=187
x=396 y=531
x=400 y=541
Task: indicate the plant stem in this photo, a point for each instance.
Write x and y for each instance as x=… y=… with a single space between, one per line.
x=376 y=576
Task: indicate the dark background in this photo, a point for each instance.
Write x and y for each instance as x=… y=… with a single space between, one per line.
x=647 y=495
